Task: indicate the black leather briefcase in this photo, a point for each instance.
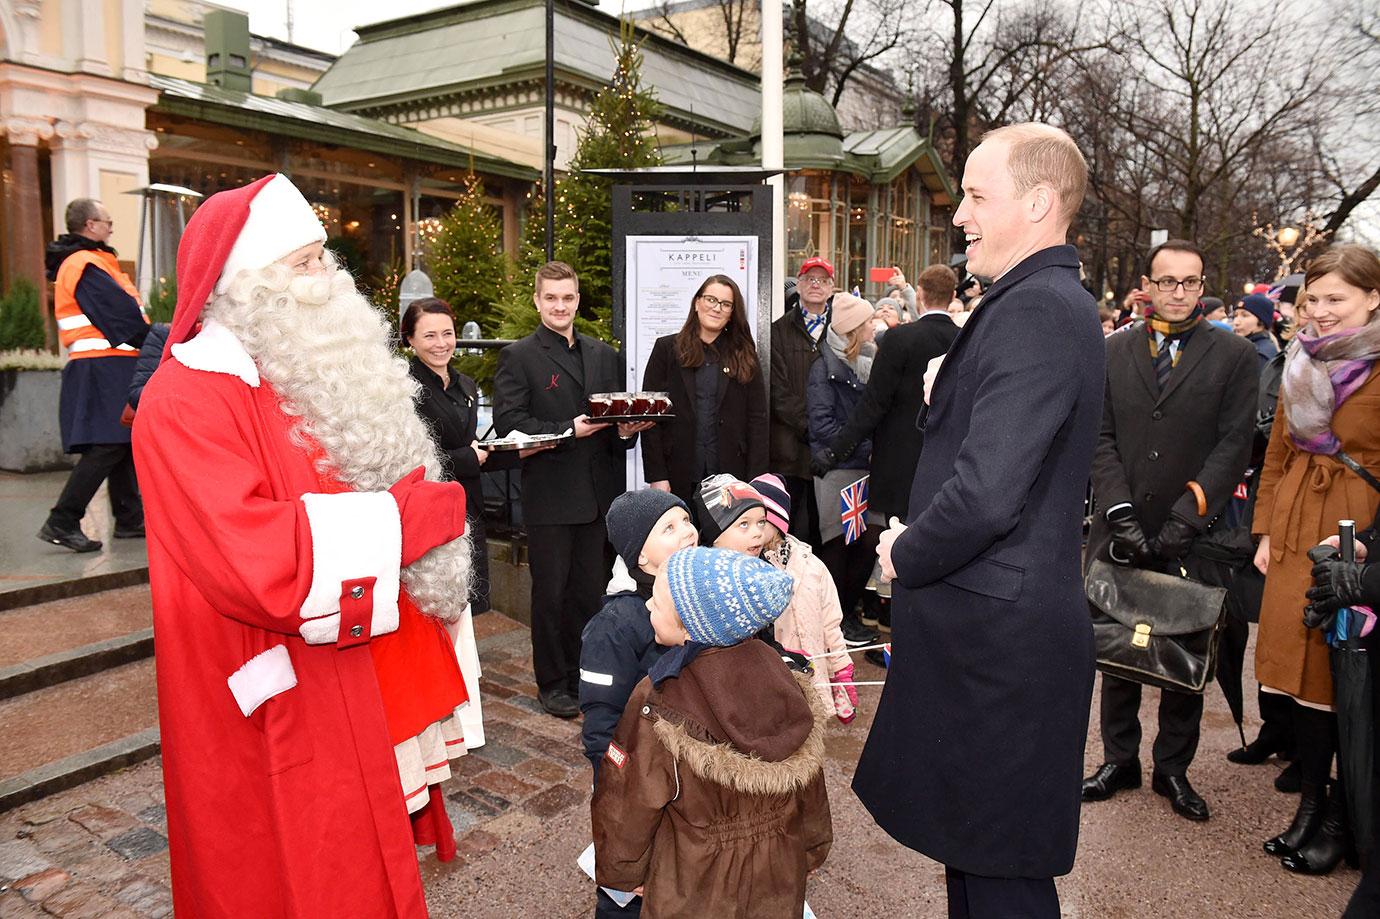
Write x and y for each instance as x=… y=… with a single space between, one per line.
x=1154 y=628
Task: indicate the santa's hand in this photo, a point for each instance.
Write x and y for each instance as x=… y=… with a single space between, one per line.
x=432 y=513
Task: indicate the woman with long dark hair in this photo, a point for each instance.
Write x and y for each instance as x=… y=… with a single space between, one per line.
x=711 y=371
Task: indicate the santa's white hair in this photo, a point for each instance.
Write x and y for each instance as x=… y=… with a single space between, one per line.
x=325 y=351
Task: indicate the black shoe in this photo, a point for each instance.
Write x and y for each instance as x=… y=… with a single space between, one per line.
x=1290 y=780
x=560 y=703
x=1257 y=751
x=1108 y=780
x=875 y=657
x=855 y=634
x=69 y=539
x=1329 y=845
x=1186 y=802
x=1307 y=819
x=134 y=532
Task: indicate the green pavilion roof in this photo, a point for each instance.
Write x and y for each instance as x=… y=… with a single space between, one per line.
x=323 y=125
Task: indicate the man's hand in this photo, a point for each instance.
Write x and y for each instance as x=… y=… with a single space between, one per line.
x=889 y=536
x=584 y=427
x=1173 y=540
x=479 y=452
x=822 y=461
x=1128 y=546
x=628 y=429
x=1336 y=584
x=532 y=451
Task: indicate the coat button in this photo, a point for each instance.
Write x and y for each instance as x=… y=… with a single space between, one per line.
x=1154 y=455
x=1149 y=496
x=357 y=593
x=356 y=630
x=646 y=709
x=1157 y=414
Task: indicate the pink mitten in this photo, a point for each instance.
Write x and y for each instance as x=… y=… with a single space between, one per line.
x=842 y=707
x=844 y=675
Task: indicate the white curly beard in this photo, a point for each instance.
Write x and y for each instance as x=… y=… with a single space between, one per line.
x=325 y=351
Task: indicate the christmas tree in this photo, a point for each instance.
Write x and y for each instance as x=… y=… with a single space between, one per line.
x=620 y=135
x=465 y=260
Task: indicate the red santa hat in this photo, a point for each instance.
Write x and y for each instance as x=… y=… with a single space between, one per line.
x=241 y=229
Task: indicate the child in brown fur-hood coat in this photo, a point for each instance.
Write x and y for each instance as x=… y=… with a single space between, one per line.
x=711 y=797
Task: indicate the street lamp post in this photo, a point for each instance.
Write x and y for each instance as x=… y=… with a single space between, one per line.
x=549 y=174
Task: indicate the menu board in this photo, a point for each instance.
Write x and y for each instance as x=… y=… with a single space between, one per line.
x=663 y=273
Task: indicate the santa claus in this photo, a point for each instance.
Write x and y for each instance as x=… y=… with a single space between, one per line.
x=303 y=562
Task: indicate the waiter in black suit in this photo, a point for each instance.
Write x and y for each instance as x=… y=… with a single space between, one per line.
x=1179 y=407
x=976 y=751
x=542 y=386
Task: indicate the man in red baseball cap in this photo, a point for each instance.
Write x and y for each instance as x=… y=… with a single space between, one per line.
x=297 y=558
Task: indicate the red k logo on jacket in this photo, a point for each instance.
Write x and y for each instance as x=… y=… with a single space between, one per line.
x=555 y=382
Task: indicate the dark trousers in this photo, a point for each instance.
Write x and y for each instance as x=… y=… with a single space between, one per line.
x=100 y=462
x=804 y=509
x=974 y=897
x=1179 y=719
x=851 y=566
x=1276 y=720
x=568 y=577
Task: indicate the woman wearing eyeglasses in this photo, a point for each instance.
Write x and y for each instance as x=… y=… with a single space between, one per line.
x=711 y=371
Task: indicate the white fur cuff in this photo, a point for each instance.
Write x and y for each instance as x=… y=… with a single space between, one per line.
x=354 y=534
x=261 y=678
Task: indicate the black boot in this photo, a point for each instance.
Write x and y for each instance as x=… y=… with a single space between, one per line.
x=1329 y=845
x=1305 y=824
x=1290 y=779
x=1258 y=750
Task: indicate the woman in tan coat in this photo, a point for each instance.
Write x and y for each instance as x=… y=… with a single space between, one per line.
x=1329 y=410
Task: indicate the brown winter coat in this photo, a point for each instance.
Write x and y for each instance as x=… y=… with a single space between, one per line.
x=1302 y=496
x=712 y=792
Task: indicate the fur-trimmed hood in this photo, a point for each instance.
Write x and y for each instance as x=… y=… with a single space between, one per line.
x=742 y=720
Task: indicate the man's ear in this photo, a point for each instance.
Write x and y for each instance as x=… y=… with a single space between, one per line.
x=1042 y=203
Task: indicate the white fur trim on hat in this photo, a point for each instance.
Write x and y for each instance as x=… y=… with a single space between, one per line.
x=280 y=222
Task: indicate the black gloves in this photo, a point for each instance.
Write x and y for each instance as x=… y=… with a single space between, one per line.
x=1173 y=539
x=823 y=460
x=1128 y=546
x=1336 y=584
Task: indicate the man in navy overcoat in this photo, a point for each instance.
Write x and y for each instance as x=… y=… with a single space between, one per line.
x=975 y=756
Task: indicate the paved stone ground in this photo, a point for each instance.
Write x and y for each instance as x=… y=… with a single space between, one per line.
x=520 y=806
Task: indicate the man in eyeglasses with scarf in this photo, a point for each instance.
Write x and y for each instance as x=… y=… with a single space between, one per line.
x=1179 y=407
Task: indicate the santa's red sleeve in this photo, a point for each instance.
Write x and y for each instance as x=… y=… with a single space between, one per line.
x=323 y=566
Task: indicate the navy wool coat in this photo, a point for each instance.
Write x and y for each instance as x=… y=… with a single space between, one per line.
x=976 y=753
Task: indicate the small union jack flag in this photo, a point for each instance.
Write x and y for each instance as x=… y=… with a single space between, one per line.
x=852 y=508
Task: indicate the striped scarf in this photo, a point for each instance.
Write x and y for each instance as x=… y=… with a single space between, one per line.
x=1172 y=331
x=814 y=324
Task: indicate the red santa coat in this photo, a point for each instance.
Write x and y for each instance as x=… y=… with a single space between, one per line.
x=282 y=789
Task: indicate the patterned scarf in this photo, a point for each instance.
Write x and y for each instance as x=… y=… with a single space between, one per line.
x=1172 y=331
x=1320 y=373
x=814 y=324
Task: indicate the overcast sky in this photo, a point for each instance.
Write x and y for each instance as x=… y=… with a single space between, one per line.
x=329 y=24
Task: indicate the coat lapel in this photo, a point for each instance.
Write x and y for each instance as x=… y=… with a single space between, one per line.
x=564 y=359
x=1199 y=344
x=1140 y=357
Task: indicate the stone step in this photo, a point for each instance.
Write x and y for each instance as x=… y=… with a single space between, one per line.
x=61 y=735
x=48 y=643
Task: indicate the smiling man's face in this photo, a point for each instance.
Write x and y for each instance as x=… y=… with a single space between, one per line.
x=992 y=216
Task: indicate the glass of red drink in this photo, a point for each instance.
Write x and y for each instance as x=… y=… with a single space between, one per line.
x=661 y=402
x=599 y=404
x=618 y=403
x=640 y=403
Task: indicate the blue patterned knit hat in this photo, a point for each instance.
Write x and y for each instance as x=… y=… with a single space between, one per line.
x=724 y=597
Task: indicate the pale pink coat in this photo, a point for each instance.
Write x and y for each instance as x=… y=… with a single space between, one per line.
x=812 y=623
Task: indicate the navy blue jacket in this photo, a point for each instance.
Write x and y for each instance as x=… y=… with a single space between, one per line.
x=831 y=396
x=150 y=356
x=975 y=757
x=618 y=649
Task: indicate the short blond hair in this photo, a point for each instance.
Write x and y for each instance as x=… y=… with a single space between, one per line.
x=1041 y=154
x=556 y=271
